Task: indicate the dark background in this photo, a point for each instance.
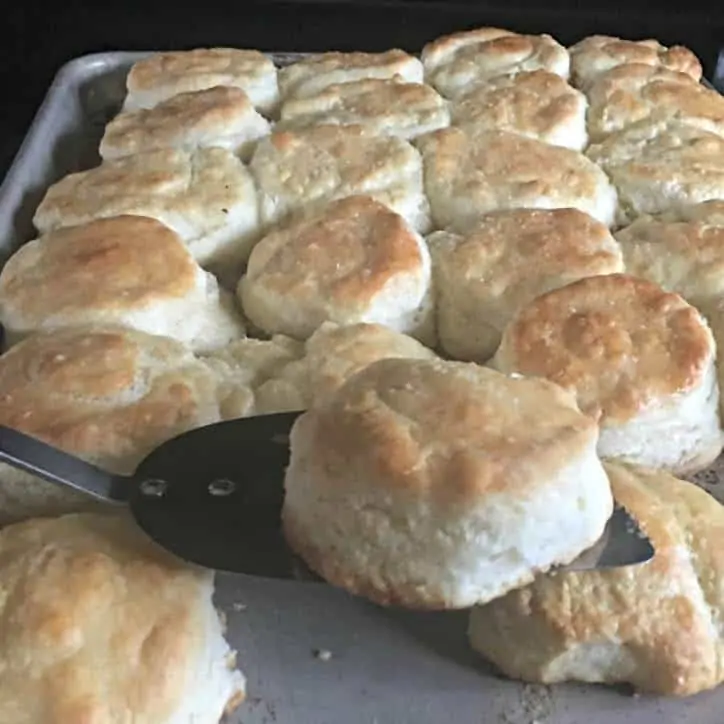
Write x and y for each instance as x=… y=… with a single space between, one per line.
x=36 y=39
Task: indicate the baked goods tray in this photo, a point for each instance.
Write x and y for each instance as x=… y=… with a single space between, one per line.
x=312 y=654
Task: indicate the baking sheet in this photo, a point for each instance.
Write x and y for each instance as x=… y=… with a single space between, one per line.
x=379 y=666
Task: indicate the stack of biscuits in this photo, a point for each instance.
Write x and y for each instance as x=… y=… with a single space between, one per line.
x=492 y=277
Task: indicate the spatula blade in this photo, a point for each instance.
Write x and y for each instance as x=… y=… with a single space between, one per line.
x=213 y=496
x=622 y=544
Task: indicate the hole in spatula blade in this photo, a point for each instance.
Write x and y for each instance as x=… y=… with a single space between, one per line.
x=222 y=493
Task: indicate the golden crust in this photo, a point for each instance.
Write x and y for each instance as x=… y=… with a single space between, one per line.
x=332 y=355
x=599 y=53
x=100 y=624
x=635 y=92
x=110 y=265
x=484 y=277
x=455 y=62
x=538 y=104
x=467 y=176
x=658 y=620
x=622 y=344
x=388 y=107
x=297 y=170
x=163 y=181
x=355 y=260
x=200 y=118
x=317 y=72
x=285 y=374
x=207 y=196
x=107 y=394
x=686 y=257
x=347 y=253
x=661 y=165
x=164 y=75
x=396 y=409
x=335 y=353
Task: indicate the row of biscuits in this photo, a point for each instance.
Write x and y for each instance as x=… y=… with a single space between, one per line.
x=132 y=401
x=538 y=292
x=184 y=174
x=355 y=88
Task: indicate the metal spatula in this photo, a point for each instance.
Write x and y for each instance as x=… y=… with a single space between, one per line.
x=213 y=496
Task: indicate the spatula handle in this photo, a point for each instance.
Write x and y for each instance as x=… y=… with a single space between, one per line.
x=37 y=458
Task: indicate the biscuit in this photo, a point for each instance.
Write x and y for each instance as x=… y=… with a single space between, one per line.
x=127 y=270
x=686 y=257
x=636 y=92
x=220 y=116
x=102 y=626
x=437 y=485
x=108 y=395
x=640 y=360
x=353 y=261
x=469 y=175
x=661 y=166
x=207 y=197
x=247 y=365
x=537 y=104
x=313 y=74
x=331 y=356
x=653 y=625
x=598 y=53
x=164 y=75
x=285 y=374
x=454 y=63
x=483 y=278
x=709 y=212
x=382 y=107
x=299 y=170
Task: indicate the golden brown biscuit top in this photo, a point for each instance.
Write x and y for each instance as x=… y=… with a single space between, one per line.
x=622 y=344
x=334 y=60
x=318 y=71
x=197 y=69
x=348 y=252
x=121 y=263
x=447 y=431
x=508 y=251
x=358 y=155
x=441 y=47
x=194 y=190
x=369 y=98
x=99 y=622
x=213 y=110
x=632 y=92
x=507 y=166
x=107 y=394
x=334 y=353
x=662 y=163
x=493 y=47
x=685 y=256
x=534 y=102
x=655 y=607
x=598 y=53
x=316 y=163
